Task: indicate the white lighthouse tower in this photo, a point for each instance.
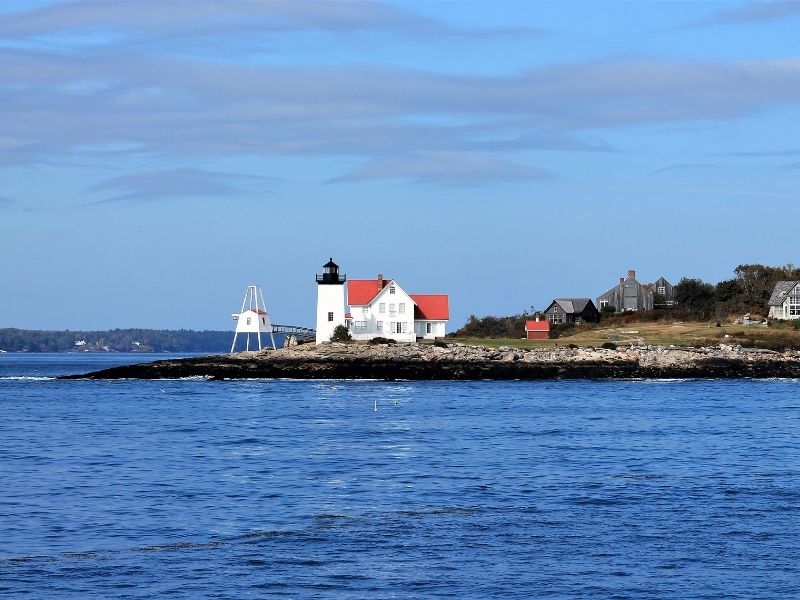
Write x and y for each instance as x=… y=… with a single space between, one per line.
x=253 y=318
x=330 y=300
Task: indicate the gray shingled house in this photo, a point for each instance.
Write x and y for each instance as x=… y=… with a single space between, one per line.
x=785 y=300
x=572 y=310
x=628 y=295
x=664 y=289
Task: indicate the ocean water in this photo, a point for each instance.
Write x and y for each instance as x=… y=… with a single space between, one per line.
x=366 y=489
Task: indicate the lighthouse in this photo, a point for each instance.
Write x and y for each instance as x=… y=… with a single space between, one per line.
x=330 y=300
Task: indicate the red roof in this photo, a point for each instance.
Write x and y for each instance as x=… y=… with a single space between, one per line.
x=537 y=325
x=431 y=307
x=363 y=291
x=259 y=311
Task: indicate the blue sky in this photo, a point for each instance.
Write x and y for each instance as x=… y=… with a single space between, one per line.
x=157 y=157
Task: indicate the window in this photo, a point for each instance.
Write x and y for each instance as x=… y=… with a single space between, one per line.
x=794 y=302
x=661 y=290
x=364 y=310
x=330 y=317
x=603 y=303
x=379 y=325
x=556 y=317
x=391 y=289
x=401 y=308
x=264 y=320
x=400 y=327
x=382 y=308
x=428 y=327
x=392 y=310
x=248 y=320
x=360 y=326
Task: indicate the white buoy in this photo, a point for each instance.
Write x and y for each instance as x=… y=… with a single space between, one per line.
x=376 y=406
x=253 y=318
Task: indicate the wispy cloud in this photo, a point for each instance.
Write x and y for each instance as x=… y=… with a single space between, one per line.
x=174 y=183
x=753 y=12
x=444 y=168
x=7 y=203
x=199 y=18
x=765 y=153
x=683 y=167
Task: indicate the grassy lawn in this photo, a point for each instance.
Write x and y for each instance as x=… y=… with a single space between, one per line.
x=679 y=334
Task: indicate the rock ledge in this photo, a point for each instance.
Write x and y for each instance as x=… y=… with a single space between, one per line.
x=462 y=362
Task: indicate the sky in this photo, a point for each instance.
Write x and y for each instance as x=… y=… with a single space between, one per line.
x=157 y=157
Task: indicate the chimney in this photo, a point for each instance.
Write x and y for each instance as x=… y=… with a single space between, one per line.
x=537 y=318
x=632 y=274
x=622 y=280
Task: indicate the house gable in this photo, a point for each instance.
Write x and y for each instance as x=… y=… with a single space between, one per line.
x=781 y=292
x=628 y=295
x=571 y=310
x=391 y=293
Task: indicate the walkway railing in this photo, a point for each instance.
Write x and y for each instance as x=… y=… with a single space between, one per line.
x=300 y=333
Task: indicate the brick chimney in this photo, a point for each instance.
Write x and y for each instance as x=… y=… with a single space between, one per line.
x=632 y=274
x=380 y=281
x=621 y=280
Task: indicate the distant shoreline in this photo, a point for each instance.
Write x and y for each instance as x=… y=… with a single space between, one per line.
x=422 y=362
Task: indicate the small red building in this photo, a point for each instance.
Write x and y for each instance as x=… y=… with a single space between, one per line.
x=537 y=330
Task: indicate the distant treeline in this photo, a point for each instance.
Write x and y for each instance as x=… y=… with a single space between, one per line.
x=118 y=340
x=748 y=291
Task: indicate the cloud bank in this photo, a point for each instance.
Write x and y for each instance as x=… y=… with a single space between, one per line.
x=109 y=101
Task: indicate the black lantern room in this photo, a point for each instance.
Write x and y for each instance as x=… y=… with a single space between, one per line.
x=330 y=274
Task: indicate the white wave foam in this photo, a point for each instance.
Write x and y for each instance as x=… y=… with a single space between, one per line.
x=26 y=378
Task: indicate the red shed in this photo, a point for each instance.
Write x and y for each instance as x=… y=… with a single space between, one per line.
x=537 y=330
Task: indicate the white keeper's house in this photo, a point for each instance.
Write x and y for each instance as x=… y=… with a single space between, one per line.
x=379 y=308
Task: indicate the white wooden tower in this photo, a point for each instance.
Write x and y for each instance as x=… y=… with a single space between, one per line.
x=253 y=318
x=330 y=300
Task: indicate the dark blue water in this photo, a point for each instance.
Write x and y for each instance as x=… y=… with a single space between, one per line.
x=301 y=489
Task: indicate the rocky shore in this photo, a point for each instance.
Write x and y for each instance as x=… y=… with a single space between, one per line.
x=462 y=362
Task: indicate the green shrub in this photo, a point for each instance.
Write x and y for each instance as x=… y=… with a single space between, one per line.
x=382 y=340
x=797 y=323
x=440 y=343
x=609 y=346
x=573 y=346
x=341 y=334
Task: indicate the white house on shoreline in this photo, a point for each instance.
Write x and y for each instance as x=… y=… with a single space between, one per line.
x=785 y=300
x=378 y=308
